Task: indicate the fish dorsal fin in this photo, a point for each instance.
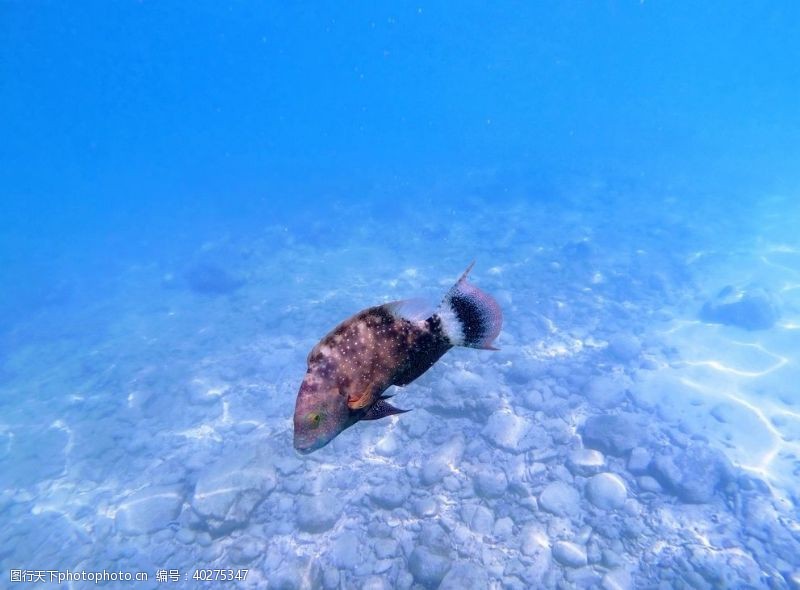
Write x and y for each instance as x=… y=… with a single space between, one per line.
x=413 y=310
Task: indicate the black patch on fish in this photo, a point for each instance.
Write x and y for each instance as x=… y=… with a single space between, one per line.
x=434 y=324
x=428 y=347
x=471 y=317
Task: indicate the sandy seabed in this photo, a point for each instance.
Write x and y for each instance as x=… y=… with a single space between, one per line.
x=615 y=441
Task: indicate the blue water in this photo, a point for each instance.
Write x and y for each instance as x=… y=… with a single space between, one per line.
x=193 y=195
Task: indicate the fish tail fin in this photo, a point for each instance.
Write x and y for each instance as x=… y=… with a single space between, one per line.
x=470 y=317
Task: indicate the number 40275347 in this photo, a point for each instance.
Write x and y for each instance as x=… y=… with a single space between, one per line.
x=207 y=575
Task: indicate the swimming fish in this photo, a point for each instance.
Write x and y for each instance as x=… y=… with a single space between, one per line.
x=391 y=344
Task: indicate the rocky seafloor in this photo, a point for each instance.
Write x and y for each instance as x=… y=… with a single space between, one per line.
x=636 y=429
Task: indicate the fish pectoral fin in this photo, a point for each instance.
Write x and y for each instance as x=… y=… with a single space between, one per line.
x=358 y=401
x=381 y=409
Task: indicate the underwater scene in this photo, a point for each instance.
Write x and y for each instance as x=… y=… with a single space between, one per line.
x=410 y=295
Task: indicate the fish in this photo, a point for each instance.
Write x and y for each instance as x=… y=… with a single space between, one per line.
x=349 y=371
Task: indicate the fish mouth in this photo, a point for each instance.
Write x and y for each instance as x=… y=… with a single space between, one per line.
x=304 y=450
x=304 y=447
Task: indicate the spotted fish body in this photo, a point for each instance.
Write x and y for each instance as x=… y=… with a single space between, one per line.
x=350 y=369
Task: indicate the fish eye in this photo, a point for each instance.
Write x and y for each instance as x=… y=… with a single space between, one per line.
x=314 y=418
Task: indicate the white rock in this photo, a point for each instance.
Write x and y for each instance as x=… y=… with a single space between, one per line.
x=442 y=461
x=616 y=580
x=228 y=491
x=385 y=548
x=424 y=507
x=185 y=536
x=375 y=583
x=559 y=527
x=433 y=471
x=536 y=547
x=503 y=528
x=404 y=580
x=624 y=347
x=639 y=460
x=560 y=499
x=417 y=424
x=149 y=510
x=534 y=540
x=379 y=566
x=605 y=392
x=491 y=482
x=330 y=578
x=390 y=495
x=606 y=491
x=463 y=576
x=318 y=513
x=427 y=567
x=585 y=461
x=387 y=446
x=479 y=518
x=514 y=433
x=533 y=399
x=206 y=390
x=649 y=484
x=494 y=560
x=569 y=554
x=245 y=550
x=344 y=552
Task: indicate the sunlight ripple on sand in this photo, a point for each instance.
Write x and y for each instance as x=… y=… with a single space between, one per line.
x=740 y=375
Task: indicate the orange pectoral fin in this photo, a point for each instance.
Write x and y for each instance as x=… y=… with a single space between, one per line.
x=357 y=403
x=360 y=400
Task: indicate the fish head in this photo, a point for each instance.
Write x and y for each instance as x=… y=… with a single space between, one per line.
x=320 y=413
